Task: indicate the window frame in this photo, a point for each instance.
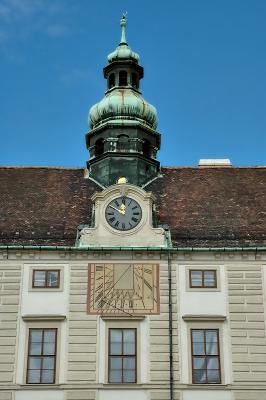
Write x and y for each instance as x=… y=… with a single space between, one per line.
x=46 y=286
x=122 y=356
x=205 y=356
x=54 y=356
x=204 y=267
x=203 y=286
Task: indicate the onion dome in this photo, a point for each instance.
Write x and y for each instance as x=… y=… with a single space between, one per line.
x=123 y=100
x=123 y=51
x=123 y=104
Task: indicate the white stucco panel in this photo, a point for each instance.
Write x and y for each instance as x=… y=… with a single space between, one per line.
x=39 y=394
x=123 y=395
x=207 y=395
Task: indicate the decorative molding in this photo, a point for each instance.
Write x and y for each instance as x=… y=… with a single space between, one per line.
x=123 y=317
x=201 y=318
x=48 y=317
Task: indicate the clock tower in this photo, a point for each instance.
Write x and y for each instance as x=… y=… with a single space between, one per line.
x=123 y=140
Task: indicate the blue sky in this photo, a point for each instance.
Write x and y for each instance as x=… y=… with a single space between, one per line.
x=204 y=61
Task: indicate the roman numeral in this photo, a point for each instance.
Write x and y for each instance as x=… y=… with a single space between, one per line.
x=136 y=213
x=134 y=219
x=123 y=226
x=116 y=203
x=110 y=213
x=112 y=219
x=133 y=208
x=117 y=224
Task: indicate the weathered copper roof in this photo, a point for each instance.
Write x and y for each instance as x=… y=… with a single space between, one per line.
x=204 y=207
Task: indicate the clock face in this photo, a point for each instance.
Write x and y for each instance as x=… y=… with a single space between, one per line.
x=123 y=289
x=123 y=213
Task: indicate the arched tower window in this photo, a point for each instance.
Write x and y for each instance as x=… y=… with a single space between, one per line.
x=123 y=143
x=123 y=78
x=134 y=80
x=111 y=81
x=146 y=148
x=99 y=147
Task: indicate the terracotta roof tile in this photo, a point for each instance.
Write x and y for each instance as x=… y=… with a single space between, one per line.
x=204 y=207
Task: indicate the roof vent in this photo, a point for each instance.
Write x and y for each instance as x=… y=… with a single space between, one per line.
x=215 y=162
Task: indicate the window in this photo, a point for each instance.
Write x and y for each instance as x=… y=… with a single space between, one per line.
x=111 y=81
x=123 y=78
x=41 y=356
x=134 y=80
x=205 y=356
x=122 y=356
x=202 y=278
x=46 y=278
x=99 y=147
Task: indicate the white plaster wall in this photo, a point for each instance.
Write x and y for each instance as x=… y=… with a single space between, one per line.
x=39 y=395
x=122 y=394
x=202 y=302
x=44 y=302
x=207 y=395
x=41 y=303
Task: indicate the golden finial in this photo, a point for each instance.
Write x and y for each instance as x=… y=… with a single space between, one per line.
x=122 y=180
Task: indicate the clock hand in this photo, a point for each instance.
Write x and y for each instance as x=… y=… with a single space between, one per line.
x=117 y=209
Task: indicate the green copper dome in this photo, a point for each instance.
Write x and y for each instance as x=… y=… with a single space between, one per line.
x=123 y=100
x=123 y=104
x=123 y=51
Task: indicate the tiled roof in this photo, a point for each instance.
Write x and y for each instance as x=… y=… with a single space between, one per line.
x=204 y=207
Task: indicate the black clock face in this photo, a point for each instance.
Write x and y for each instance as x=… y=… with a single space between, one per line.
x=123 y=213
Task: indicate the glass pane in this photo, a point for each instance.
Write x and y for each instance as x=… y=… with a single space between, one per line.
x=211 y=348
x=116 y=336
x=198 y=349
x=52 y=278
x=211 y=336
x=129 y=363
x=129 y=336
x=39 y=278
x=115 y=376
x=47 y=376
x=34 y=363
x=196 y=278
x=197 y=336
x=49 y=336
x=115 y=363
x=36 y=335
x=129 y=348
x=199 y=362
x=48 y=362
x=199 y=376
x=33 y=376
x=128 y=376
x=35 y=349
x=48 y=348
x=213 y=376
x=212 y=363
x=209 y=278
x=116 y=349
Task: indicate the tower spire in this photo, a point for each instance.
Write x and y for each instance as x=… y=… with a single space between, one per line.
x=123 y=24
